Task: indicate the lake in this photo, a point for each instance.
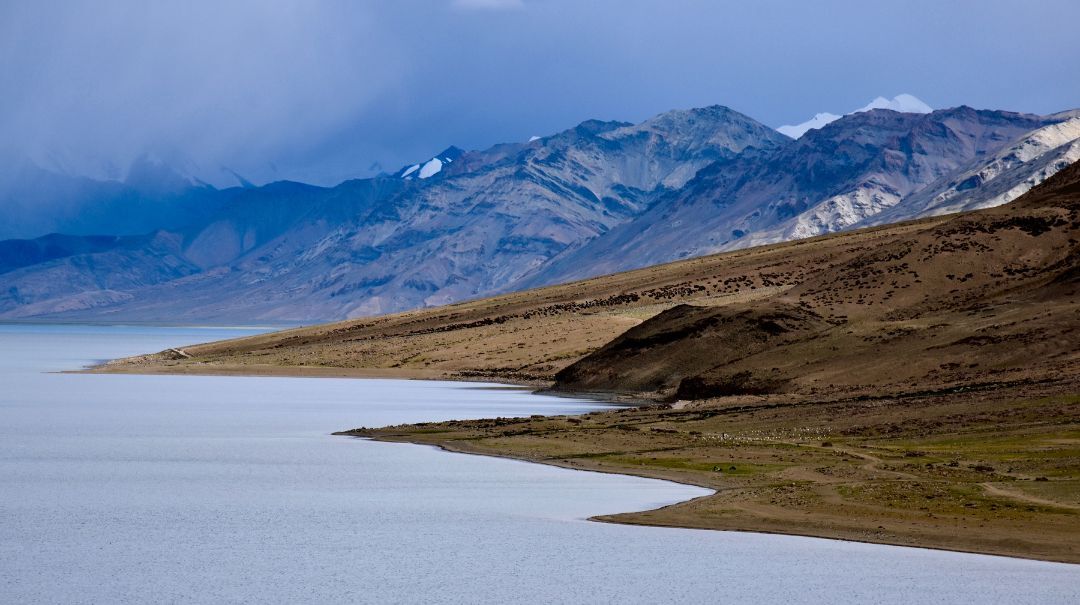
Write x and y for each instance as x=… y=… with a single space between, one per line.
x=135 y=489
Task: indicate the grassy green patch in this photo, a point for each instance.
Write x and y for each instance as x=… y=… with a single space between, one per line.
x=939 y=498
x=733 y=468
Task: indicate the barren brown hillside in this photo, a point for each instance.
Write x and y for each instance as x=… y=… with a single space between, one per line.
x=525 y=336
x=980 y=297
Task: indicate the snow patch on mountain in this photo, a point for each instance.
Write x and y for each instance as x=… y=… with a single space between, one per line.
x=1008 y=174
x=817 y=121
x=431 y=167
x=904 y=103
x=836 y=213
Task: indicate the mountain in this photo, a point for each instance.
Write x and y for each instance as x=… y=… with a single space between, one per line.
x=494 y=216
x=152 y=196
x=903 y=103
x=293 y=252
x=176 y=274
x=997 y=180
x=828 y=180
x=601 y=197
x=16 y=253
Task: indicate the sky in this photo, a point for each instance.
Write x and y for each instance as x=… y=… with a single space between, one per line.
x=324 y=91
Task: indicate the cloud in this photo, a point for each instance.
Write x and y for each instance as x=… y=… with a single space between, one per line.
x=198 y=84
x=319 y=91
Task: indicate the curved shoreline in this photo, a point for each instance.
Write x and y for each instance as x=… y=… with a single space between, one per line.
x=698 y=513
x=677 y=515
x=626 y=518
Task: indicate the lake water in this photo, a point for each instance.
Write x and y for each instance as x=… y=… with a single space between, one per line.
x=136 y=489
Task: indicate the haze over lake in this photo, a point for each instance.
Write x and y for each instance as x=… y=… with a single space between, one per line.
x=118 y=488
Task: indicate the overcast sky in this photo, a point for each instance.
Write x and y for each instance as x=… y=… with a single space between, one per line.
x=323 y=91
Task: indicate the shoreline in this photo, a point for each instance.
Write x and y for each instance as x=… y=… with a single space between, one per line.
x=256 y=370
x=966 y=540
x=467 y=437
x=536 y=387
x=616 y=518
x=612 y=518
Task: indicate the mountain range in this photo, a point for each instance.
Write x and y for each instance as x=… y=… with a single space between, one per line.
x=153 y=195
x=600 y=197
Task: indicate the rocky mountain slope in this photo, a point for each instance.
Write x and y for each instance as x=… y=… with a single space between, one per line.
x=600 y=197
x=478 y=224
x=830 y=179
x=997 y=180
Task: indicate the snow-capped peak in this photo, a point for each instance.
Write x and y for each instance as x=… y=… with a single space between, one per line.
x=903 y=103
x=430 y=167
x=817 y=121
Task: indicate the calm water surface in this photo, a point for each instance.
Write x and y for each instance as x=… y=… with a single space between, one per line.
x=216 y=489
